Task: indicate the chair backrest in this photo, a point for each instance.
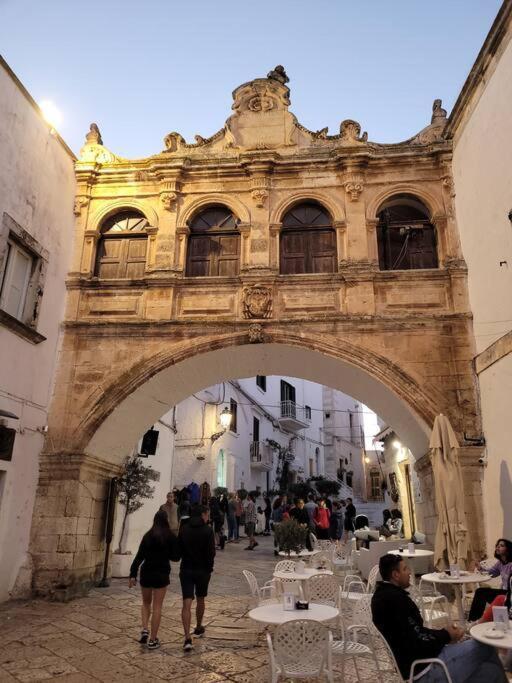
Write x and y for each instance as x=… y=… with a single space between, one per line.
x=253 y=583
x=301 y=641
x=314 y=541
x=321 y=559
x=372 y=578
x=324 y=589
x=285 y=566
x=324 y=544
x=362 y=613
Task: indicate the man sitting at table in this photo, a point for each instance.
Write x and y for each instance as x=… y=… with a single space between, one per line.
x=399 y=620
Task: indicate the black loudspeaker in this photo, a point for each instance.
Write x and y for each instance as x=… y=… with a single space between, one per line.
x=110 y=509
x=7 y=436
x=149 y=442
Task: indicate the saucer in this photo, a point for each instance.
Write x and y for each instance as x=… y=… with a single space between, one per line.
x=494 y=633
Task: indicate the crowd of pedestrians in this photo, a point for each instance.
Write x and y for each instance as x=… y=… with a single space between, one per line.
x=191 y=533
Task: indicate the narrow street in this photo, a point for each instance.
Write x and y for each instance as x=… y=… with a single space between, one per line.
x=95 y=638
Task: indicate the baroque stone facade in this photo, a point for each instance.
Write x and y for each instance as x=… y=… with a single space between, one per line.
x=140 y=338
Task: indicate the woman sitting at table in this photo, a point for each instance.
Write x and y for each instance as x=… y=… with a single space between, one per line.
x=503 y=568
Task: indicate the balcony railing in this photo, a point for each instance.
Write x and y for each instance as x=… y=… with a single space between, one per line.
x=294 y=416
x=261 y=455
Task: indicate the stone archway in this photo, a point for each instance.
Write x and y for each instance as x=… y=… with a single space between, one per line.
x=143 y=375
x=399 y=340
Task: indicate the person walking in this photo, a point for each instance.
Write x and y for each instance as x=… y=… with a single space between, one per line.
x=197 y=548
x=268 y=512
x=336 y=522
x=239 y=512
x=350 y=515
x=311 y=507
x=171 y=510
x=158 y=546
x=322 y=519
x=217 y=519
x=232 y=523
x=250 y=521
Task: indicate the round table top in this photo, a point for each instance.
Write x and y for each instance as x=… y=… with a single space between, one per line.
x=481 y=633
x=306 y=574
x=302 y=553
x=276 y=614
x=419 y=552
x=465 y=577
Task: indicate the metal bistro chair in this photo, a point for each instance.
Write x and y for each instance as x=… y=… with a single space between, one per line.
x=285 y=566
x=321 y=560
x=263 y=595
x=349 y=644
x=433 y=607
x=325 y=590
x=342 y=557
x=301 y=648
x=354 y=587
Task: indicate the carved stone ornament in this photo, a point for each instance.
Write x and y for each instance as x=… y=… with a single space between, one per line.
x=353 y=188
x=80 y=203
x=257 y=301
x=259 y=197
x=256 y=334
x=261 y=103
x=350 y=132
x=93 y=137
x=278 y=73
x=168 y=200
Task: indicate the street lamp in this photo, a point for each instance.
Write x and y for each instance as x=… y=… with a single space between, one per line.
x=225 y=422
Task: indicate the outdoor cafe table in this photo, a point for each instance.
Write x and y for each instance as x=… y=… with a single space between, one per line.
x=276 y=614
x=302 y=553
x=419 y=552
x=304 y=576
x=456 y=582
x=496 y=638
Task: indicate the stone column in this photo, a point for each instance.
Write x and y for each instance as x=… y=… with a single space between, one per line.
x=371 y=236
x=357 y=240
x=165 y=243
x=274 y=232
x=245 y=234
x=472 y=475
x=67 y=538
x=180 y=247
x=341 y=241
x=152 y=232
x=90 y=242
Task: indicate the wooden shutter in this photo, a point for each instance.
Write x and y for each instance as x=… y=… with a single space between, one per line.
x=322 y=251
x=293 y=252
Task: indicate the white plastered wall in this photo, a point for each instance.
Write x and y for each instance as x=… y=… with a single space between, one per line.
x=483 y=186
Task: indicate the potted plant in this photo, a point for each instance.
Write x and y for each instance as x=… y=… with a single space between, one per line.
x=133 y=488
x=290 y=536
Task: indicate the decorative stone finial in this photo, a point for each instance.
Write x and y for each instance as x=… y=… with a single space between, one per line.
x=350 y=132
x=93 y=137
x=438 y=113
x=278 y=74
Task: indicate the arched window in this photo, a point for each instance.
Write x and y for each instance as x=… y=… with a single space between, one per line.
x=214 y=243
x=406 y=238
x=122 y=246
x=308 y=241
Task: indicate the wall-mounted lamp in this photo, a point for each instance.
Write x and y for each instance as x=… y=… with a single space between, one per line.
x=225 y=422
x=396 y=444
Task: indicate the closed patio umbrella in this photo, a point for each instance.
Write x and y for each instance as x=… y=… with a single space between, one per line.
x=452 y=542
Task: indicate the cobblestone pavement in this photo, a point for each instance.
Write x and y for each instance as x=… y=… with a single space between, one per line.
x=95 y=638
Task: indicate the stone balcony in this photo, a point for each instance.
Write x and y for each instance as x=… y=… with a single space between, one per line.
x=261 y=456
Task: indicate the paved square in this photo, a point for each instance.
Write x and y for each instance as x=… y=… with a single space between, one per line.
x=95 y=638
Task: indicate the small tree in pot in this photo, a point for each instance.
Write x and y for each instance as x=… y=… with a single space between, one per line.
x=290 y=536
x=133 y=488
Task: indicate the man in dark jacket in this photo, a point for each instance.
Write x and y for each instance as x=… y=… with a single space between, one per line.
x=399 y=620
x=197 y=546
